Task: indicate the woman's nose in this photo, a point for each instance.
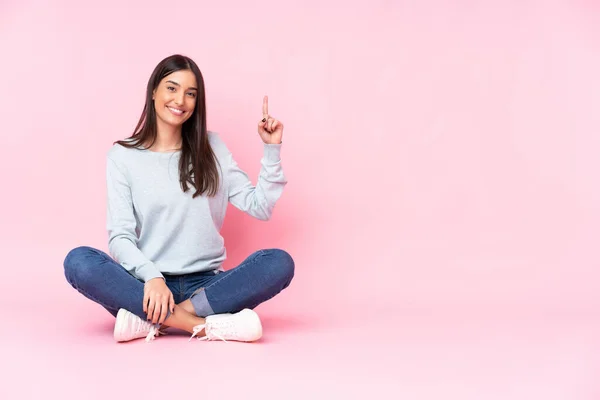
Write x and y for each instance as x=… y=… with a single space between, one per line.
x=179 y=99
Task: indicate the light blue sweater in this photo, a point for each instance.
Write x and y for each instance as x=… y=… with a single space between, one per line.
x=155 y=228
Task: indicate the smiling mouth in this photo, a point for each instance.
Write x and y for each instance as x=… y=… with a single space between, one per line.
x=176 y=111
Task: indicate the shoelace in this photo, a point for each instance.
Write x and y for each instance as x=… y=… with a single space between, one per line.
x=197 y=330
x=213 y=334
x=154 y=331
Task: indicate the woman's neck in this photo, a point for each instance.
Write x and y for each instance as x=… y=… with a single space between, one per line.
x=168 y=138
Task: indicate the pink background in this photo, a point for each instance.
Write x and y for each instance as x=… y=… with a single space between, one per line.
x=443 y=205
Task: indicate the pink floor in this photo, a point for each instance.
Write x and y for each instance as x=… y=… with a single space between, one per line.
x=62 y=348
x=302 y=355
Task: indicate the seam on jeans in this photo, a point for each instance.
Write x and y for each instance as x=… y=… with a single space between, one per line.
x=89 y=296
x=105 y=259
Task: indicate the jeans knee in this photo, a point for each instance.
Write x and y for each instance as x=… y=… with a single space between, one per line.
x=283 y=264
x=76 y=267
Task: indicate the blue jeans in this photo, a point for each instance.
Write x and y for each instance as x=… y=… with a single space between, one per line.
x=258 y=278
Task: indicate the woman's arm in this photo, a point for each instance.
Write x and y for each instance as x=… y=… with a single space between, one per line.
x=121 y=224
x=257 y=201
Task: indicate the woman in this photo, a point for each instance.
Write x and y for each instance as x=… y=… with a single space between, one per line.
x=168 y=186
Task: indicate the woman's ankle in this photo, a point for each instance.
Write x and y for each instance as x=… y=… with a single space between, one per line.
x=181 y=319
x=187 y=306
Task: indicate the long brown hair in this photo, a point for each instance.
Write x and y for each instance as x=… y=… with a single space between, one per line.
x=195 y=148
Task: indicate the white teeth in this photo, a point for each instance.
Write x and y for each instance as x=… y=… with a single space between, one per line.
x=176 y=111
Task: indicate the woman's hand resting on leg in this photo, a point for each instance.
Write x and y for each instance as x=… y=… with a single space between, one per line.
x=158 y=300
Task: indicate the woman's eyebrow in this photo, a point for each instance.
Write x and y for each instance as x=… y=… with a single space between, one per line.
x=175 y=83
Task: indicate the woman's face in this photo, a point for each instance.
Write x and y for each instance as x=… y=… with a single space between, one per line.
x=175 y=97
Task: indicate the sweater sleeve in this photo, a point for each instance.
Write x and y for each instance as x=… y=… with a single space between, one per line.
x=121 y=225
x=257 y=201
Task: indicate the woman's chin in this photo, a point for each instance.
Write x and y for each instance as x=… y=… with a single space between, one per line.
x=173 y=121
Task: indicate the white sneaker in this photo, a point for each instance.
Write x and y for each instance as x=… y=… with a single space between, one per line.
x=129 y=326
x=243 y=326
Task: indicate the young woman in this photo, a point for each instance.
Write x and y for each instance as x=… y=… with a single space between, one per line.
x=168 y=186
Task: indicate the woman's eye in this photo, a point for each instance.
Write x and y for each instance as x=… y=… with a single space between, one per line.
x=192 y=94
x=170 y=88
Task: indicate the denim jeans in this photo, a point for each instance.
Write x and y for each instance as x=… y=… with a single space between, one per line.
x=257 y=279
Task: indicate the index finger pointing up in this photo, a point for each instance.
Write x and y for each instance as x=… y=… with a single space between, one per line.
x=266 y=106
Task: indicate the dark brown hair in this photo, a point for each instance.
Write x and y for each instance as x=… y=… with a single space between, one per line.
x=198 y=163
